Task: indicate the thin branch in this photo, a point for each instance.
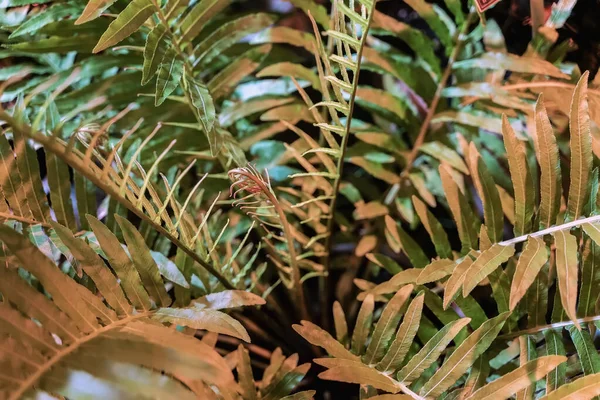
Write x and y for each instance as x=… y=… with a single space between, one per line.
x=23 y=219
x=556 y=325
x=462 y=36
x=409 y=392
x=551 y=230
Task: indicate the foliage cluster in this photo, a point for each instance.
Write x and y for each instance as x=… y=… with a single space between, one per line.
x=412 y=212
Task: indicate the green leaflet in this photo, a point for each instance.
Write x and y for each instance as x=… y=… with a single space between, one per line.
x=228 y=78
x=318 y=11
x=288 y=69
x=590 y=277
x=318 y=337
x=169 y=75
x=415 y=253
x=582 y=388
x=341 y=326
x=477 y=376
x=492 y=208
x=198 y=16
x=363 y=325
x=56 y=44
x=128 y=21
x=305 y=395
x=435 y=271
x=445 y=154
x=527 y=352
x=145 y=265
x=485 y=264
x=511 y=62
x=466 y=221
x=285 y=382
x=283 y=34
x=521 y=179
x=588 y=355
x=227 y=35
x=566 y=272
x=60 y=191
x=121 y=263
x=395 y=105
x=530 y=263
x=431 y=351
x=202 y=102
x=438 y=21
x=356 y=372
x=95 y=268
x=54 y=13
x=93 y=10
x=154 y=52
x=404 y=337
x=10 y=180
x=464 y=356
x=386 y=326
x=456 y=280
x=414 y=38
x=581 y=151
x=29 y=170
x=547 y=154
x=64 y=291
x=512 y=382
x=203 y=318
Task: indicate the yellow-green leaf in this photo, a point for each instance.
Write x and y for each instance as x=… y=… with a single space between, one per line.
x=485 y=264
x=547 y=155
x=431 y=351
x=521 y=179
x=581 y=151
x=386 y=326
x=580 y=389
x=128 y=21
x=404 y=337
x=203 y=318
x=532 y=259
x=464 y=356
x=566 y=271
x=510 y=383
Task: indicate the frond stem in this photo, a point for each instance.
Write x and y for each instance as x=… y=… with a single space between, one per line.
x=460 y=42
x=556 y=325
x=24 y=220
x=324 y=280
x=552 y=229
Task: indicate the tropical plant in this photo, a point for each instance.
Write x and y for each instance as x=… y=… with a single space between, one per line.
x=181 y=178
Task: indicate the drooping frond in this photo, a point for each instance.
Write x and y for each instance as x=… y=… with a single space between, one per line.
x=95 y=328
x=126 y=183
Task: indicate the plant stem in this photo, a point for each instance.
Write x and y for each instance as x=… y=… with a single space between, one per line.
x=460 y=42
x=324 y=280
x=23 y=219
x=556 y=325
x=551 y=230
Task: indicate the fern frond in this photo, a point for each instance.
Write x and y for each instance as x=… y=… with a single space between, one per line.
x=75 y=325
x=117 y=182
